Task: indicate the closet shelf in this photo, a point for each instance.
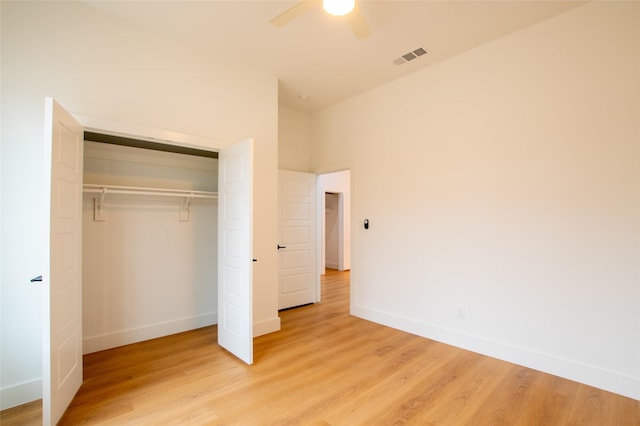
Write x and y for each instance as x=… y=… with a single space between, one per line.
x=103 y=190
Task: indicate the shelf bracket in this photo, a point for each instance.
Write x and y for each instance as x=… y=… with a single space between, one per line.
x=184 y=208
x=99 y=213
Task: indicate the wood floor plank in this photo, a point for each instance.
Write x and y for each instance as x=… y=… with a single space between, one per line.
x=324 y=367
x=507 y=400
x=29 y=414
x=594 y=406
x=458 y=403
x=345 y=387
x=629 y=412
x=550 y=402
x=426 y=391
x=391 y=389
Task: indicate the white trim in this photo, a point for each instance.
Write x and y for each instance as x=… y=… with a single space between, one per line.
x=320 y=249
x=12 y=396
x=152 y=331
x=341 y=231
x=266 y=326
x=116 y=128
x=320 y=243
x=568 y=369
x=332 y=265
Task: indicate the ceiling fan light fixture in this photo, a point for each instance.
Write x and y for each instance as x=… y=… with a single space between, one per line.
x=338 y=7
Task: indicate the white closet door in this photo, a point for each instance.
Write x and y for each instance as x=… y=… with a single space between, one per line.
x=62 y=277
x=235 y=250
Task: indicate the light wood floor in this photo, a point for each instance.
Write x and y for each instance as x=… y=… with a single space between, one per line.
x=324 y=368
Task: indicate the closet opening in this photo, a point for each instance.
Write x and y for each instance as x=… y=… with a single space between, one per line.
x=149 y=240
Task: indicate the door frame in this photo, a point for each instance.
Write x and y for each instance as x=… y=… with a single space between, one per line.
x=151 y=134
x=146 y=134
x=320 y=251
x=166 y=137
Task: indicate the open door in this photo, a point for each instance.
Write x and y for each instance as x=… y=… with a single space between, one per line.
x=296 y=239
x=235 y=249
x=62 y=277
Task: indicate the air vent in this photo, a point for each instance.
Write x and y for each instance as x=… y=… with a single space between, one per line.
x=410 y=56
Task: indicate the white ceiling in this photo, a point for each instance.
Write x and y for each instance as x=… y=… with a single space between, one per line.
x=316 y=54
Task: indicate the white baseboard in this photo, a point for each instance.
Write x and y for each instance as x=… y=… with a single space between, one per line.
x=331 y=265
x=26 y=392
x=125 y=337
x=568 y=369
x=22 y=393
x=266 y=326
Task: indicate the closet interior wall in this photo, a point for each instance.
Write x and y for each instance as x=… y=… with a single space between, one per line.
x=149 y=266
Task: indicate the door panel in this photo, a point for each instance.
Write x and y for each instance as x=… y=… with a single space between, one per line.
x=235 y=238
x=62 y=280
x=297 y=239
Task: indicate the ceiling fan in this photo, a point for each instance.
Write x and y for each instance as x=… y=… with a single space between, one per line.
x=333 y=7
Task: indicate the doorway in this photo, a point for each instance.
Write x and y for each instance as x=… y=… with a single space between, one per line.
x=62 y=274
x=334 y=214
x=147 y=243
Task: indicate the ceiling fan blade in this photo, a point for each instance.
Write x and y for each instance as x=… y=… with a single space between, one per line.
x=292 y=13
x=359 y=24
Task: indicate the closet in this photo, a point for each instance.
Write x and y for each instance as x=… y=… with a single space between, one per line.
x=149 y=240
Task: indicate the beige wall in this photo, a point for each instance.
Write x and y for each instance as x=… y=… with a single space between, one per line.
x=294 y=139
x=97 y=66
x=502 y=187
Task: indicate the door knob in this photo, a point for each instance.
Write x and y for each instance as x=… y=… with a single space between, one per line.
x=279 y=246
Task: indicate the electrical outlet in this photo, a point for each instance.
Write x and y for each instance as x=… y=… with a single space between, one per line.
x=461 y=313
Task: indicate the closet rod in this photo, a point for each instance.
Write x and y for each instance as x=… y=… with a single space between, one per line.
x=133 y=190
